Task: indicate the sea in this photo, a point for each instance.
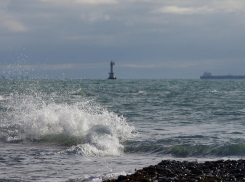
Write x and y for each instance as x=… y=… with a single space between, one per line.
x=88 y=130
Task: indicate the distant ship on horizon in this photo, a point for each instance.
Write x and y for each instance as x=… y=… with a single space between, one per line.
x=208 y=75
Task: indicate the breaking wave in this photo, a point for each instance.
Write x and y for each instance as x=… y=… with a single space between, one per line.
x=228 y=149
x=85 y=127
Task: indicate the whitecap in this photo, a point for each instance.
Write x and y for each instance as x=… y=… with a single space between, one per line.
x=89 y=129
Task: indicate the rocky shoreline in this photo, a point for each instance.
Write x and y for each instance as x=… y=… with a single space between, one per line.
x=171 y=171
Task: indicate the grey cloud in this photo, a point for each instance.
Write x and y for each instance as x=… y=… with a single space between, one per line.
x=167 y=33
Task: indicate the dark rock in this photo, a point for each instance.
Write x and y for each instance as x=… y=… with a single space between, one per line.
x=193 y=180
x=120 y=178
x=176 y=171
x=191 y=168
x=196 y=171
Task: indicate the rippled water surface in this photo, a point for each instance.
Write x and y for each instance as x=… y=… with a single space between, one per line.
x=87 y=130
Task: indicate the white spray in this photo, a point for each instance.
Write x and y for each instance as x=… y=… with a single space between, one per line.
x=94 y=130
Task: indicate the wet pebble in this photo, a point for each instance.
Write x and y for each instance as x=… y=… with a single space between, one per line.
x=167 y=170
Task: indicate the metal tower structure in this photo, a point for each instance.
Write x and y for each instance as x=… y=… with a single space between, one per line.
x=111 y=74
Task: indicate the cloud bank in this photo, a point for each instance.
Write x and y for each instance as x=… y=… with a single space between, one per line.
x=139 y=34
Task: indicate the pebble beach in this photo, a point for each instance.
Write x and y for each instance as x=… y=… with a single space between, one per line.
x=167 y=170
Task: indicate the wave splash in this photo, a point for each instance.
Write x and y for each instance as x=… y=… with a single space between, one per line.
x=84 y=126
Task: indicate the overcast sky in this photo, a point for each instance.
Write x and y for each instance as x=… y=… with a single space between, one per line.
x=164 y=39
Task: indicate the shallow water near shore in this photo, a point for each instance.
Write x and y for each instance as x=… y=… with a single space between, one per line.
x=89 y=130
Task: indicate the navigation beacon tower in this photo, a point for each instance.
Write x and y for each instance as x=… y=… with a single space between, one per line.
x=111 y=74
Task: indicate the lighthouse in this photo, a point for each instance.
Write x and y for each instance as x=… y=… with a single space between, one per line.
x=111 y=74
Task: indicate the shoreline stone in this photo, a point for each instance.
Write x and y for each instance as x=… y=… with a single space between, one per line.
x=177 y=171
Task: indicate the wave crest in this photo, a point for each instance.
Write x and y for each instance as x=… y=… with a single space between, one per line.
x=85 y=126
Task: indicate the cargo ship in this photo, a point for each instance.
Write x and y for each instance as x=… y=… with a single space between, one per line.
x=208 y=75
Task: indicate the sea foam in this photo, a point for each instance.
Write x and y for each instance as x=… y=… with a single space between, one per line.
x=84 y=126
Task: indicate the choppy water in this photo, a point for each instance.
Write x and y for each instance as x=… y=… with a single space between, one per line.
x=87 y=130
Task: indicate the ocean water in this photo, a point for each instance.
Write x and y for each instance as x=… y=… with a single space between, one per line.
x=89 y=130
